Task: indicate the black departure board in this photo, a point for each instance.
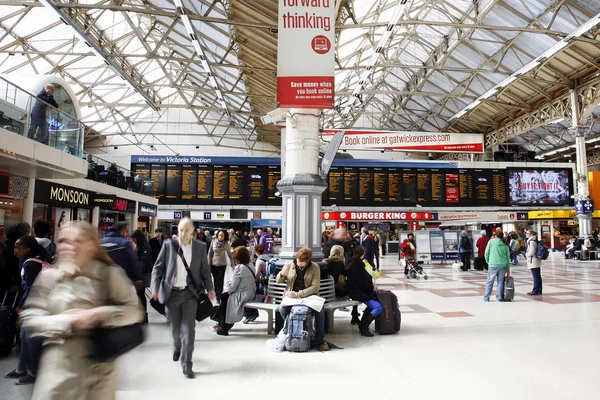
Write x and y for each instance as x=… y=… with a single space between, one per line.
x=173 y=190
x=380 y=186
x=452 y=188
x=143 y=170
x=257 y=184
x=220 y=183
x=438 y=188
x=394 y=186
x=350 y=185
x=189 y=183
x=499 y=187
x=365 y=185
x=409 y=186
x=465 y=181
x=423 y=187
x=205 y=184
x=274 y=176
x=158 y=177
x=236 y=183
x=482 y=187
x=336 y=185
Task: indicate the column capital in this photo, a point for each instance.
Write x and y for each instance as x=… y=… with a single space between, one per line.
x=578 y=131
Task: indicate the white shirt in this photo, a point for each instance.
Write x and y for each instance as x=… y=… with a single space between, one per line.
x=181 y=273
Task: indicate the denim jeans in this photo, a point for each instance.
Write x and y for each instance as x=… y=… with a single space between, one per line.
x=319 y=323
x=493 y=273
x=536 y=273
x=31 y=349
x=513 y=257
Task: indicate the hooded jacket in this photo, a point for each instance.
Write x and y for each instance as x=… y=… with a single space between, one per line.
x=121 y=252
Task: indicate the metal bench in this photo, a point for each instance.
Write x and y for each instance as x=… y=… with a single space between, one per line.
x=275 y=291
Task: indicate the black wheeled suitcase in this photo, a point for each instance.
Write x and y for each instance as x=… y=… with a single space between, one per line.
x=8 y=326
x=509 y=289
x=389 y=320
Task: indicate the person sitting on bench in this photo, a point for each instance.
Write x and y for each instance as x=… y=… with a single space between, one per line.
x=303 y=279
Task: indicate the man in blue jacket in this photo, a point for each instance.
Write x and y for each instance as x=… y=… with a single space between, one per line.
x=120 y=250
x=465 y=250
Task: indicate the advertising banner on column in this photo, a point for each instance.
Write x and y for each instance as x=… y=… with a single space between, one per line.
x=305 y=60
x=430 y=142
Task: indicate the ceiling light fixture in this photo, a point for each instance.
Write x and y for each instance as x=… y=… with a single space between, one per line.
x=537 y=62
x=97 y=51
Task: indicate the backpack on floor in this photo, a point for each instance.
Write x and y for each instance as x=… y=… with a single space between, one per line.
x=299 y=329
x=542 y=251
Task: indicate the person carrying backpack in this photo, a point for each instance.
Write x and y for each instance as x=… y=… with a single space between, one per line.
x=465 y=250
x=534 y=261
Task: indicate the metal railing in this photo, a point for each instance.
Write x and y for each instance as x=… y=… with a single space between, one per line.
x=24 y=113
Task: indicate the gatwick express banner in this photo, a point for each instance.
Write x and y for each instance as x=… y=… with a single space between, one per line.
x=430 y=142
x=305 y=60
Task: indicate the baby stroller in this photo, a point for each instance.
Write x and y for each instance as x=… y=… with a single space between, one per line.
x=412 y=269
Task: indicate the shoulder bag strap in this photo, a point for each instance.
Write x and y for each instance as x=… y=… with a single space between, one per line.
x=250 y=269
x=185 y=264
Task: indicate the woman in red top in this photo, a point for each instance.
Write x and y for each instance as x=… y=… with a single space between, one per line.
x=409 y=248
x=482 y=243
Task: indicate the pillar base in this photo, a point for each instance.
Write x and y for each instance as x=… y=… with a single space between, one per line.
x=585 y=225
x=301 y=199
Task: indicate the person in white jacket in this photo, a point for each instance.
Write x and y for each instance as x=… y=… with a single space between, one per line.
x=534 y=263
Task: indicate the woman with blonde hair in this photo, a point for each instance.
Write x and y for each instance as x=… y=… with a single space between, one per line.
x=66 y=303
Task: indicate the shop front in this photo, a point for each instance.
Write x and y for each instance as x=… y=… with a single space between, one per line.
x=60 y=203
x=147 y=213
x=12 y=191
x=113 y=209
x=556 y=227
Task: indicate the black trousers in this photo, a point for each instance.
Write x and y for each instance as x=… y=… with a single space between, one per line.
x=218 y=273
x=465 y=258
x=222 y=312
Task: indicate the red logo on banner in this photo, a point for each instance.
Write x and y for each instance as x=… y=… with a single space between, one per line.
x=414 y=226
x=378 y=216
x=340 y=224
x=321 y=44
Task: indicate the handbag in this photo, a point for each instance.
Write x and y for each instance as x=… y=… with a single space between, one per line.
x=108 y=343
x=205 y=306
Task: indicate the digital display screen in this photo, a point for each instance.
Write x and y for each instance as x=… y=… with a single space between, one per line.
x=143 y=170
x=189 y=183
x=549 y=187
x=452 y=188
x=380 y=186
x=220 y=182
x=350 y=185
x=274 y=178
x=394 y=186
x=499 y=186
x=482 y=187
x=158 y=177
x=336 y=185
x=205 y=184
x=423 y=187
x=236 y=183
x=438 y=188
x=256 y=184
x=409 y=186
x=365 y=185
x=173 y=191
x=465 y=187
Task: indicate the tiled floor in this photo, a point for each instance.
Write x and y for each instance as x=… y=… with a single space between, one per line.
x=452 y=346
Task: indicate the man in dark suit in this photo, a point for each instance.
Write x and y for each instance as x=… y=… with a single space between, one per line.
x=172 y=286
x=156 y=244
x=38 y=128
x=369 y=244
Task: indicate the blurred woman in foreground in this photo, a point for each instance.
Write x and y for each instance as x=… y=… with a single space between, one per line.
x=65 y=304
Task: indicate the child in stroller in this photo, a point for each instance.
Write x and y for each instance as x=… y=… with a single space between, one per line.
x=412 y=269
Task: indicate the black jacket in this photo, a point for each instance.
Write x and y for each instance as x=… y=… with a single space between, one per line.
x=156 y=245
x=359 y=283
x=39 y=109
x=144 y=253
x=121 y=252
x=10 y=272
x=326 y=247
x=31 y=270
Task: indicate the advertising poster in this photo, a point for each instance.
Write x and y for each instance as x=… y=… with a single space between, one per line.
x=83 y=215
x=423 y=246
x=306 y=47
x=61 y=216
x=437 y=245
x=545 y=187
x=451 y=245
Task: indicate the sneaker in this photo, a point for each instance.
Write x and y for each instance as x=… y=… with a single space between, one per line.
x=249 y=319
x=14 y=374
x=27 y=380
x=323 y=347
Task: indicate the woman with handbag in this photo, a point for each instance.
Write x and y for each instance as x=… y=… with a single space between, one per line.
x=144 y=254
x=85 y=294
x=217 y=257
x=241 y=290
x=360 y=288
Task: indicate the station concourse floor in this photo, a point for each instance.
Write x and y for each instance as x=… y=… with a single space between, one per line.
x=452 y=346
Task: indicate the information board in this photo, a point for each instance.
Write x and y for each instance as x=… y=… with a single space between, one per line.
x=351 y=185
x=205 y=184
x=236 y=183
x=158 y=177
x=143 y=170
x=336 y=185
x=173 y=184
x=257 y=178
x=394 y=186
x=380 y=186
x=365 y=185
x=465 y=187
x=409 y=186
x=220 y=183
x=438 y=188
x=423 y=187
x=189 y=183
x=274 y=177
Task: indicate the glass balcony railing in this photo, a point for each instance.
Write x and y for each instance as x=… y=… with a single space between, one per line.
x=30 y=116
x=103 y=171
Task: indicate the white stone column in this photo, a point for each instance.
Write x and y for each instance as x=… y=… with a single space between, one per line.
x=95 y=217
x=583 y=189
x=301 y=188
x=28 y=203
